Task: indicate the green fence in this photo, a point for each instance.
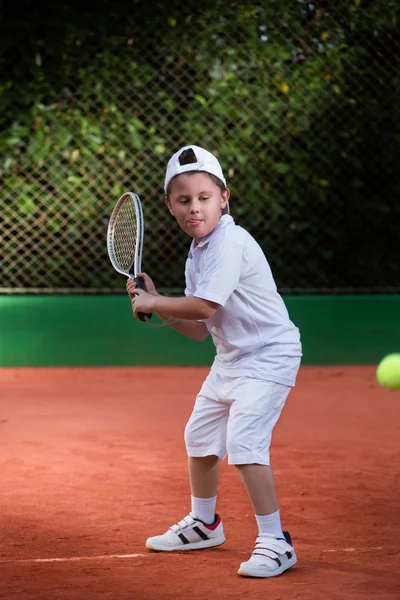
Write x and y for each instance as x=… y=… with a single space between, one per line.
x=299 y=100
x=75 y=330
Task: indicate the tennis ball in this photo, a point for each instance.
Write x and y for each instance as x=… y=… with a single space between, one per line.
x=388 y=372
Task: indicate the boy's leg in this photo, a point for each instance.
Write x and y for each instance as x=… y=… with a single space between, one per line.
x=203 y=476
x=259 y=483
x=260 y=486
x=205 y=438
x=254 y=413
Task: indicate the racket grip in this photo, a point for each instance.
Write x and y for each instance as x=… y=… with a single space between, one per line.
x=140 y=283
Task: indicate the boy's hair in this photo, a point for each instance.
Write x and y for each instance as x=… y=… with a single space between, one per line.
x=188 y=157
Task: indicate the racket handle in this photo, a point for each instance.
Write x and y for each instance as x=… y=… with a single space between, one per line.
x=140 y=283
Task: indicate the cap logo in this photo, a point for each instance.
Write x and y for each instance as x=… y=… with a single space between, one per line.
x=187 y=157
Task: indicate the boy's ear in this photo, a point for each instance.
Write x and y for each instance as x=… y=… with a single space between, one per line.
x=225 y=197
x=168 y=203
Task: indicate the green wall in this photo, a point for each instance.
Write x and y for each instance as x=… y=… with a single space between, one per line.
x=71 y=330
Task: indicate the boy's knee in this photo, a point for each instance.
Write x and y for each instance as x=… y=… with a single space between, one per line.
x=238 y=466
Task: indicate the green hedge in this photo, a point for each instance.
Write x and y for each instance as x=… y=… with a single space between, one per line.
x=299 y=101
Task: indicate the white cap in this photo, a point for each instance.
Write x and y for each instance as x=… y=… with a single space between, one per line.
x=206 y=162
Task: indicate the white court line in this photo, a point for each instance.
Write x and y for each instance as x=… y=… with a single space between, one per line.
x=72 y=558
x=75 y=558
x=367 y=548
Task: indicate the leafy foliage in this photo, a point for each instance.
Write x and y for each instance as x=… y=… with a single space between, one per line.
x=298 y=100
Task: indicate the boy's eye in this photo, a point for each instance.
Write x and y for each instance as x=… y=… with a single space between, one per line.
x=203 y=197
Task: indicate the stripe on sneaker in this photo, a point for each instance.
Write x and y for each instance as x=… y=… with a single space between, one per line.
x=183 y=539
x=213 y=525
x=287 y=537
x=200 y=533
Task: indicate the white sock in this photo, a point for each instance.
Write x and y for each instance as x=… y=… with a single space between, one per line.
x=270 y=524
x=204 y=508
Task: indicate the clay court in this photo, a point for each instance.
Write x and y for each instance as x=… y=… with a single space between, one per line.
x=93 y=462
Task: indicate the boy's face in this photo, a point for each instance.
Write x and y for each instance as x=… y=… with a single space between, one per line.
x=196 y=202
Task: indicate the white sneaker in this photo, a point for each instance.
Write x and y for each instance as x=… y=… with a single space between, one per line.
x=271 y=556
x=189 y=534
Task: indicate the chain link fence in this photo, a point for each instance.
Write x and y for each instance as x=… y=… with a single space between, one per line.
x=302 y=111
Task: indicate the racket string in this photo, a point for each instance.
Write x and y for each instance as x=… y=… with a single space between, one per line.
x=124 y=236
x=124 y=242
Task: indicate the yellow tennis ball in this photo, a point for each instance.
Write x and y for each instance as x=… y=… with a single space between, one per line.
x=388 y=372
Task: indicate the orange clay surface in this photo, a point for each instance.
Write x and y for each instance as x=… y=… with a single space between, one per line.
x=93 y=462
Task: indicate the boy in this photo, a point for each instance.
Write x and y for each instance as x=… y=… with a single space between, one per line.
x=231 y=294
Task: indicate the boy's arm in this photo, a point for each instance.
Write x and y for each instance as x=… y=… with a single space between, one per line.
x=193 y=310
x=191 y=329
x=188 y=309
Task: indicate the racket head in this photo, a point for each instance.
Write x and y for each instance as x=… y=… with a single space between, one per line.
x=125 y=235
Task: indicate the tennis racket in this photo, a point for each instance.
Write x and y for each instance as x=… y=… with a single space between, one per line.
x=125 y=240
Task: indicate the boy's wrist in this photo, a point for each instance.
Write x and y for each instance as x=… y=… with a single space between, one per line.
x=159 y=304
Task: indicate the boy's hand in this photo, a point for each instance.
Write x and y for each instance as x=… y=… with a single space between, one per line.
x=148 y=283
x=142 y=302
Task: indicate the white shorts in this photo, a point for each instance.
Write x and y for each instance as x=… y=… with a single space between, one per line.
x=235 y=416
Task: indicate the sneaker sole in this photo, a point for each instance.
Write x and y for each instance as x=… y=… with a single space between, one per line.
x=260 y=572
x=160 y=547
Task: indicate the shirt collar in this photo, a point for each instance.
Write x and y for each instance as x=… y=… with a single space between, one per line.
x=222 y=223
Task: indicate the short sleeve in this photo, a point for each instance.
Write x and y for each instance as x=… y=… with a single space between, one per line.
x=220 y=271
x=189 y=286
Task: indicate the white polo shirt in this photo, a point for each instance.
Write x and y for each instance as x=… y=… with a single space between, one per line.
x=251 y=329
